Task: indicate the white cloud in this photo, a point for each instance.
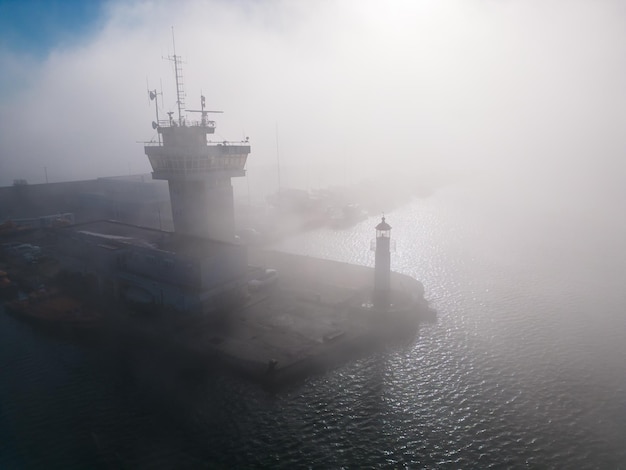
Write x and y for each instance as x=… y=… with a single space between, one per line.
x=494 y=87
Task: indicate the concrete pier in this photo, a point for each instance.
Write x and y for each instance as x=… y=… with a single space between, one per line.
x=316 y=315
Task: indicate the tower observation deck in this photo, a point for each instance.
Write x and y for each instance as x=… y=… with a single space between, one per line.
x=198 y=173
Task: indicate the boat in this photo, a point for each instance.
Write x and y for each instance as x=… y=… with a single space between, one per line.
x=49 y=307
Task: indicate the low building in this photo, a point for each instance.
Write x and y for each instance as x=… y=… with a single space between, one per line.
x=136 y=199
x=153 y=267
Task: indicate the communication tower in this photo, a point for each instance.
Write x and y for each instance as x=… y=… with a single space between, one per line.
x=198 y=172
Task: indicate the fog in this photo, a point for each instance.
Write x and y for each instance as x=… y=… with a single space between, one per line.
x=505 y=118
x=495 y=91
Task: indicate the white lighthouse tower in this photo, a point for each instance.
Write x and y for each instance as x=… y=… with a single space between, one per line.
x=382 y=266
x=198 y=172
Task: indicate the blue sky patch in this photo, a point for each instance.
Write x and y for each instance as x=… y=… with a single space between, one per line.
x=35 y=27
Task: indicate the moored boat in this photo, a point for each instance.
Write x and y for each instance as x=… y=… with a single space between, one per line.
x=54 y=309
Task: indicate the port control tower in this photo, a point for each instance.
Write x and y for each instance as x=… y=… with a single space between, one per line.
x=198 y=171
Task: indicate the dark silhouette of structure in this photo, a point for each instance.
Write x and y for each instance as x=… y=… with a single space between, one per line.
x=382 y=267
x=198 y=172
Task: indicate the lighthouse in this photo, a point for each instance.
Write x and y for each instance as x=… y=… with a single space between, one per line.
x=198 y=172
x=382 y=266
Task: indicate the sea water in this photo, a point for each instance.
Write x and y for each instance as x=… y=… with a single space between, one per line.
x=525 y=366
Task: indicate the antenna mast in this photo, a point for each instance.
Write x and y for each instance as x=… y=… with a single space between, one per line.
x=178 y=74
x=153 y=94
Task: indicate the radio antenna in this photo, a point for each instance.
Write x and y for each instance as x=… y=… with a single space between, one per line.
x=178 y=74
x=154 y=96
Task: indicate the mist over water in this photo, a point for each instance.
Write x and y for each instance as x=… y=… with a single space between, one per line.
x=524 y=366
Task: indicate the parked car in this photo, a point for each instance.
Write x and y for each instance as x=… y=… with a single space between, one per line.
x=268 y=278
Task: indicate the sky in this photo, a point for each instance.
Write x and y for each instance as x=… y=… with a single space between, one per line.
x=507 y=90
x=34 y=27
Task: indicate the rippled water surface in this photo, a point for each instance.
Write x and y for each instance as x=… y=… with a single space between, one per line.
x=525 y=366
